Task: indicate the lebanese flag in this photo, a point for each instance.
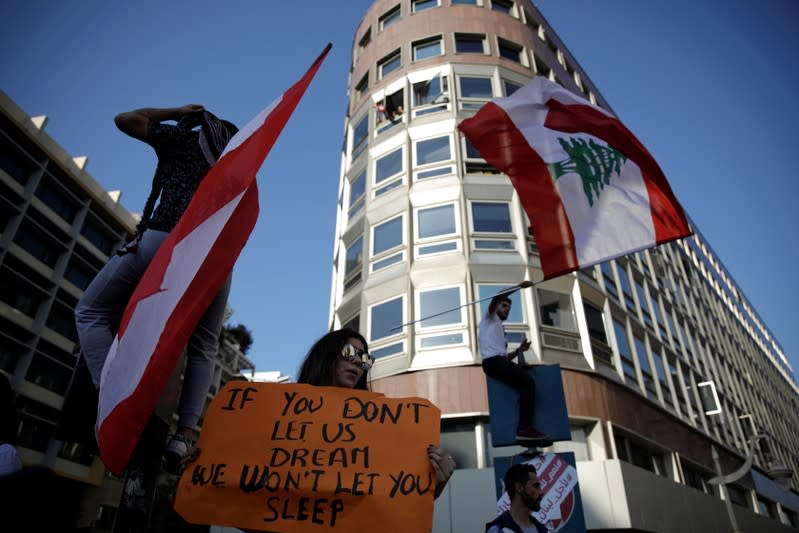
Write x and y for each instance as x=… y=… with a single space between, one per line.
x=182 y=280
x=590 y=188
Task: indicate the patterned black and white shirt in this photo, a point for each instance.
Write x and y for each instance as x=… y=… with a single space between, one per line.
x=181 y=167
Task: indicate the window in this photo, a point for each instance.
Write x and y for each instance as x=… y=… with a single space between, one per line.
x=470 y=43
x=422 y=5
x=609 y=280
x=427 y=48
x=492 y=217
x=464 y=2
x=646 y=371
x=383 y=318
x=360 y=134
x=387 y=236
x=19 y=294
x=390 y=111
x=388 y=18
x=353 y=262
x=640 y=454
x=430 y=96
x=459 y=439
x=510 y=87
x=541 y=68
x=353 y=323
x=357 y=194
x=436 y=222
x=643 y=302
x=658 y=317
x=434 y=301
x=503 y=6
x=54 y=197
x=387 y=168
x=49 y=374
x=433 y=150
x=78 y=274
x=596 y=330
x=474 y=162
x=624 y=352
x=36 y=423
x=41 y=247
x=510 y=50
x=362 y=87
x=625 y=288
x=556 y=310
x=389 y=64
x=694 y=478
x=474 y=91
x=737 y=495
x=657 y=359
x=366 y=39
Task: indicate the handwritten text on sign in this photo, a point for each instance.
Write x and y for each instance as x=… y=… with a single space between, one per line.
x=293 y=458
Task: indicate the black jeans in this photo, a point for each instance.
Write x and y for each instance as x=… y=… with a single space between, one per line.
x=503 y=369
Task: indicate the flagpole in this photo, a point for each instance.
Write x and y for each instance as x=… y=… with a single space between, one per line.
x=510 y=290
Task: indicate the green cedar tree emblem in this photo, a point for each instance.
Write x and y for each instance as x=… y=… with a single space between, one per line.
x=594 y=162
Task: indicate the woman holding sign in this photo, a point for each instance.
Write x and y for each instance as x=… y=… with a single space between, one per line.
x=341 y=359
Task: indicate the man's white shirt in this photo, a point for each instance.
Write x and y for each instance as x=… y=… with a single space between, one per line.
x=492 y=336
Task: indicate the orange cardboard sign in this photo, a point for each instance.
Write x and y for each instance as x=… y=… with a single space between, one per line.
x=291 y=458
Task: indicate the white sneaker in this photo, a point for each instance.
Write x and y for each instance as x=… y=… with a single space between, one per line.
x=176 y=448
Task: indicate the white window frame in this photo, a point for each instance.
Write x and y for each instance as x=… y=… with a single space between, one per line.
x=379 y=188
x=389 y=253
x=473 y=102
x=450 y=159
x=427 y=41
x=355 y=205
x=414 y=2
x=440 y=103
x=445 y=239
x=497 y=236
x=392 y=338
x=388 y=59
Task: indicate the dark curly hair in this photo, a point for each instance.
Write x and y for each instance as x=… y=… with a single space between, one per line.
x=319 y=366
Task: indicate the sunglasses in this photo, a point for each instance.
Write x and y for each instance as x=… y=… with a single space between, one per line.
x=356 y=355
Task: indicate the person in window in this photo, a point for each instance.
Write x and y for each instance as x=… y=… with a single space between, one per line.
x=524 y=491
x=186 y=151
x=498 y=363
x=341 y=359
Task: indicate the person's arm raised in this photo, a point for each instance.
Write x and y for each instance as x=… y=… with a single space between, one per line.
x=134 y=123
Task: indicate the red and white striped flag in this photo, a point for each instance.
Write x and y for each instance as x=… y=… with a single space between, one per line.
x=590 y=188
x=182 y=280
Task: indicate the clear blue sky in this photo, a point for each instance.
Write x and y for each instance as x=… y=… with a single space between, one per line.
x=709 y=87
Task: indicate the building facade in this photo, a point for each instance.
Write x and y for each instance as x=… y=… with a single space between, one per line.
x=58 y=227
x=424 y=225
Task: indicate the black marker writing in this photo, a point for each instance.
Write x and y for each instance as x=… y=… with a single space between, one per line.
x=301 y=405
x=408 y=483
x=370 y=411
x=214 y=477
x=245 y=397
x=343 y=433
x=301 y=457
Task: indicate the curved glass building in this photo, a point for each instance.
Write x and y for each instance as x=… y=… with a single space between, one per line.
x=425 y=225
